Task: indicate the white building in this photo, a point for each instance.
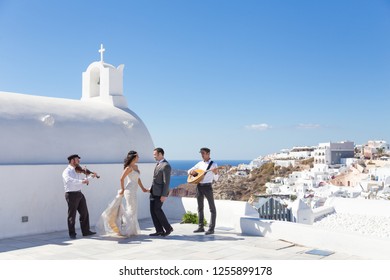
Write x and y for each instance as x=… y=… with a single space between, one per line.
x=331 y=153
x=282 y=154
x=373 y=146
x=39 y=133
x=257 y=162
x=285 y=162
x=289 y=157
x=380 y=174
x=302 y=152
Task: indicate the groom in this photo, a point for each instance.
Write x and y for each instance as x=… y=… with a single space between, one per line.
x=159 y=193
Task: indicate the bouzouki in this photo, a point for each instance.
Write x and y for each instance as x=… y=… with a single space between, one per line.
x=195 y=179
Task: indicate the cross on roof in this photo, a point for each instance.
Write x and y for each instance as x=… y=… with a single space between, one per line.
x=101 y=52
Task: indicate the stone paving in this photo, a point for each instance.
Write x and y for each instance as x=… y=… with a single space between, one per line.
x=182 y=244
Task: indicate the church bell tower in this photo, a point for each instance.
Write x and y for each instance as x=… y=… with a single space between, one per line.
x=103 y=82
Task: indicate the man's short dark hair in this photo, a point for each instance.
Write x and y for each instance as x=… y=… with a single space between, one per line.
x=207 y=150
x=72 y=157
x=159 y=150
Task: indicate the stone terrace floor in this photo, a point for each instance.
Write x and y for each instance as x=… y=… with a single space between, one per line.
x=182 y=244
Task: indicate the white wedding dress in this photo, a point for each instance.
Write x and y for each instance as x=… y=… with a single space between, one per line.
x=120 y=220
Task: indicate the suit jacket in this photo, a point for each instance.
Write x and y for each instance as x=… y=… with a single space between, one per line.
x=161 y=179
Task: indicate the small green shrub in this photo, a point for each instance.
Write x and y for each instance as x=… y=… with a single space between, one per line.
x=191 y=218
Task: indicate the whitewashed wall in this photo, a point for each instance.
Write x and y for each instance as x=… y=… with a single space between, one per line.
x=37 y=191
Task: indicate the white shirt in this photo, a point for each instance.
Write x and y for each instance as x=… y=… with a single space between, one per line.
x=72 y=180
x=209 y=176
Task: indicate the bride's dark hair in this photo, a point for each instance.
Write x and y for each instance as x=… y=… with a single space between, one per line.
x=130 y=157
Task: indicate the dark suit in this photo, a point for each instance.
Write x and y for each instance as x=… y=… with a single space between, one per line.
x=160 y=187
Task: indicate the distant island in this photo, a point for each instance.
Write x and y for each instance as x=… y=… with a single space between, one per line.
x=178 y=172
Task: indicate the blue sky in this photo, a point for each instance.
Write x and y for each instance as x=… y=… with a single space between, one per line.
x=245 y=78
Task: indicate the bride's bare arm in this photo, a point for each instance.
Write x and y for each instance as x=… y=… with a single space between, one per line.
x=142 y=186
x=125 y=172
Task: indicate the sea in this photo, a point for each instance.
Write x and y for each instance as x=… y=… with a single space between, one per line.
x=187 y=164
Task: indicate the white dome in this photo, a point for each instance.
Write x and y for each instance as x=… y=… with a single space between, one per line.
x=98 y=64
x=46 y=130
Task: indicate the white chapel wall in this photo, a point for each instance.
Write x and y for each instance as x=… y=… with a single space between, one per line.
x=37 y=191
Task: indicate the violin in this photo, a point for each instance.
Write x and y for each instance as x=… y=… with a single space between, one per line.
x=85 y=171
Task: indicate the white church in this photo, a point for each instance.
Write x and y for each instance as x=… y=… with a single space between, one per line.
x=37 y=134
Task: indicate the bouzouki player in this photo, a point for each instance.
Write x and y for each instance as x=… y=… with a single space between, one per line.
x=204 y=189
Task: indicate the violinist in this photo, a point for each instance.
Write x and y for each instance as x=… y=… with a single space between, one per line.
x=73 y=182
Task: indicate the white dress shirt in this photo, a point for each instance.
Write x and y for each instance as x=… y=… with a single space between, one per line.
x=209 y=176
x=72 y=180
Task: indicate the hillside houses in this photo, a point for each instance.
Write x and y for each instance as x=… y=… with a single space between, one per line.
x=335 y=172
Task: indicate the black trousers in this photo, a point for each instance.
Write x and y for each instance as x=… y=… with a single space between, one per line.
x=202 y=191
x=160 y=221
x=77 y=203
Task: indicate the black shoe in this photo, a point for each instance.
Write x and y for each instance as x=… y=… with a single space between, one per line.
x=210 y=231
x=89 y=233
x=168 y=232
x=157 y=234
x=72 y=236
x=199 y=230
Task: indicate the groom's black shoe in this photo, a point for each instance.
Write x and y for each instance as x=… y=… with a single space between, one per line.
x=89 y=233
x=168 y=232
x=157 y=234
x=73 y=236
x=199 y=230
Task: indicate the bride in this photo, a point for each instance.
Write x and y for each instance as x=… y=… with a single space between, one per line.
x=119 y=220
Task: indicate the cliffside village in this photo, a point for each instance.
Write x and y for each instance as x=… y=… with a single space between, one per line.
x=338 y=169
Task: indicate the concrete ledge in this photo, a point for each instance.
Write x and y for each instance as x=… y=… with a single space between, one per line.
x=322 y=212
x=251 y=226
x=229 y=212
